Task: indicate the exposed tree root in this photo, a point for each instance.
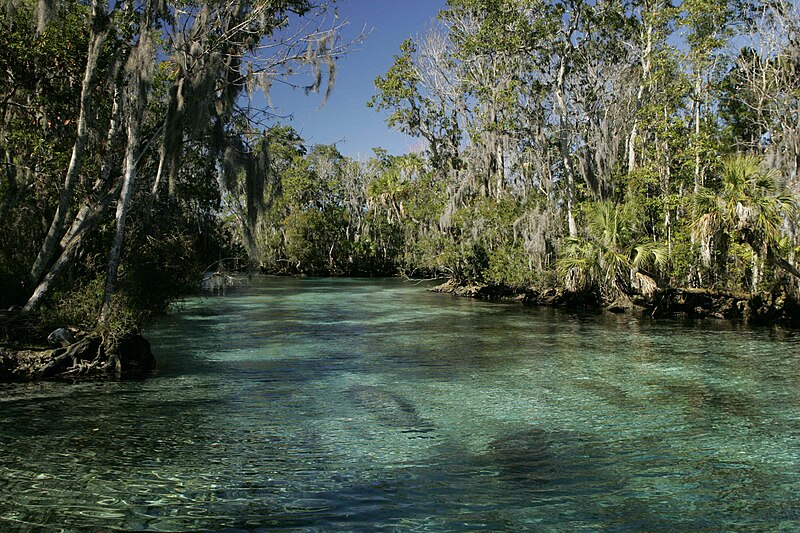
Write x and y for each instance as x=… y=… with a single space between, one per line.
x=91 y=356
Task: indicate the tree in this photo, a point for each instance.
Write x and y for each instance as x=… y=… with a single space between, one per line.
x=139 y=79
x=421 y=90
x=762 y=100
x=130 y=136
x=612 y=257
x=39 y=106
x=746 y=208
x=709 y=25
x=100 y=27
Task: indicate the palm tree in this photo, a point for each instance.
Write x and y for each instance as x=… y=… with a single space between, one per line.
x=612 y=255
x=386 y=192
x=747 y=209
x=391 y=188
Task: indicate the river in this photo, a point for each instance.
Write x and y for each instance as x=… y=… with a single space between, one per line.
x=362 y=405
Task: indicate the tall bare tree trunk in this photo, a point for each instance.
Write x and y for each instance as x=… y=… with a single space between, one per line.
x=86 y=219
x=501 y=168
x=756 y=276
x=566 y=156
x=57 y=226
x=697 y=162
x=645 y=62
x=123 y=204
x=140 y=68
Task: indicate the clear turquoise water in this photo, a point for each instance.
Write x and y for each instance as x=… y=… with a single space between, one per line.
x=358 y=405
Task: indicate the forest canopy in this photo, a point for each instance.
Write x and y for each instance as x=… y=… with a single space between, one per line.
x=607 y=148
x=126 y=130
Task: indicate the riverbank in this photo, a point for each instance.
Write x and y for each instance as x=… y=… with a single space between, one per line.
x=758 y=308
x=306 y=401
x=68 y=354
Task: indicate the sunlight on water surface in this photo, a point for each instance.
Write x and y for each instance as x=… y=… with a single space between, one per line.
x=374 y=404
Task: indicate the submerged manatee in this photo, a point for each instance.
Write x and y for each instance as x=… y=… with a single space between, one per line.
x=389 y=408
x=523 y=456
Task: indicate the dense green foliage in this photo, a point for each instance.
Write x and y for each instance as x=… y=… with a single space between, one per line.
x=131 y=158
x=607 y=148
x=573 y=144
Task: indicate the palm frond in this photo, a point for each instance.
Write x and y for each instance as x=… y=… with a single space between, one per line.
x=648 y=254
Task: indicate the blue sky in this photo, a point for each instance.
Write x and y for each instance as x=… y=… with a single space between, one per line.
x=345 y=120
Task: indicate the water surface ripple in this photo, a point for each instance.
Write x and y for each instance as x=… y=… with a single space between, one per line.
x=357 y=405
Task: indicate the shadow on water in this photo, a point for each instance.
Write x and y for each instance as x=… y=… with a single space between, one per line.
x=389 y=408
x=353 y=405
x=567 y=477
x=526 y=457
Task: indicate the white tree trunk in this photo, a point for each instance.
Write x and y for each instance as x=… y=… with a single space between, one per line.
x=88 y=215
x=756 y=272
x=697 y=162
x=140 y=70
x=57 y=225
x=123 y=204
x=566 y=156
x=643 y=81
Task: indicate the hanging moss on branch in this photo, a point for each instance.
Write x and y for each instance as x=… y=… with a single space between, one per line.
x=116 y=120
